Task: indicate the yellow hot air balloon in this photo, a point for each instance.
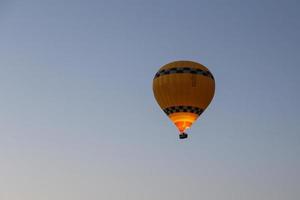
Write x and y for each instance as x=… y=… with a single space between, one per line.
x=183 y=89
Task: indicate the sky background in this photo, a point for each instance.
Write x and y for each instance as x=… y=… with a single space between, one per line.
x=78 y=119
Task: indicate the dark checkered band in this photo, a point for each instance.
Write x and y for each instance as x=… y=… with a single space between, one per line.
x=178 y=70
x=190 y=109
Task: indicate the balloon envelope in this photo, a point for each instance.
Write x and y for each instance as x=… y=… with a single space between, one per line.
x=183 y=89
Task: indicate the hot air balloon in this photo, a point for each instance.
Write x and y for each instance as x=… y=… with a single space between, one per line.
x=183 y=90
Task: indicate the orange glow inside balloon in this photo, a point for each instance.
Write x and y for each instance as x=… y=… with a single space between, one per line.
x=183 y=120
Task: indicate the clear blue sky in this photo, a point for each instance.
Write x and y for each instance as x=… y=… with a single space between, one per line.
x=78 y=119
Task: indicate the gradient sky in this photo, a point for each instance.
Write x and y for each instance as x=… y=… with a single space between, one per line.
x=78 y=119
